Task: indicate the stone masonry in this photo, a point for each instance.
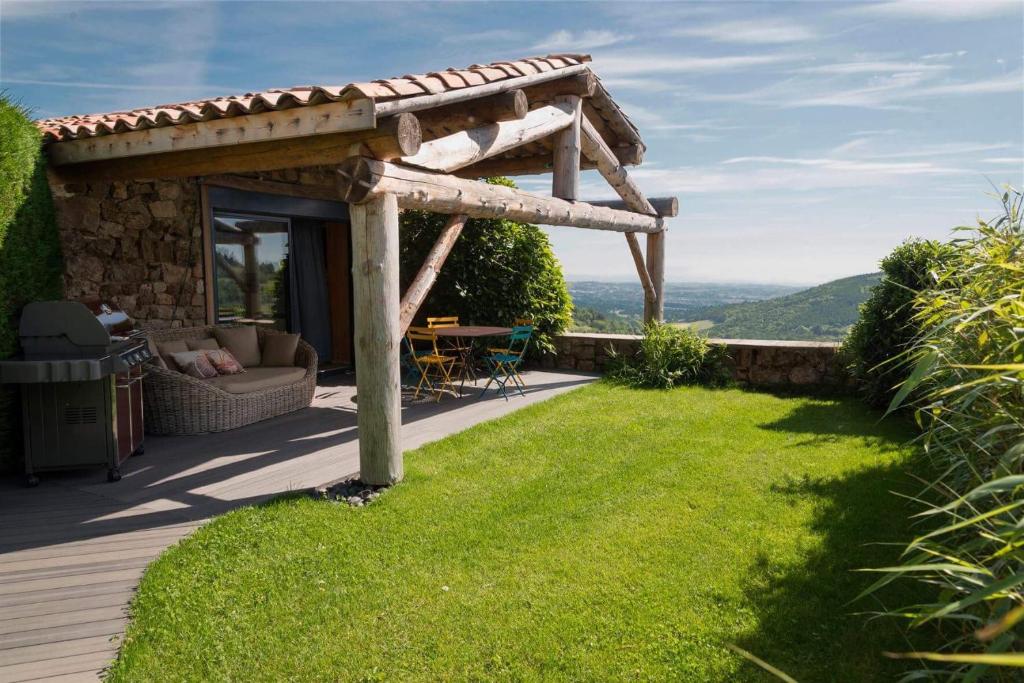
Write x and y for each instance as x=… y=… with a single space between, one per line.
x=753 y=362
x=139 y=244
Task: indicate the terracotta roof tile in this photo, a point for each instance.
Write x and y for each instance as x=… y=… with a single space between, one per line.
x=90 y=125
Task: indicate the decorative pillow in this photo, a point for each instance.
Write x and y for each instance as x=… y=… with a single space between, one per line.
x=279 y=350
x=241 y=342
x=224 y=363
x=169 y=348
x=207 y=344
x=195 y=364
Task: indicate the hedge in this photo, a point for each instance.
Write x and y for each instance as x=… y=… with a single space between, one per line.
x=30 y=258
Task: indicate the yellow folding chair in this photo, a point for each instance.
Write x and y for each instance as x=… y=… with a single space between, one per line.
x=434 y=367
x=463 y=352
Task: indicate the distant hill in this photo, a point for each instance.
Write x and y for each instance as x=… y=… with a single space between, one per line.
x=822 y=313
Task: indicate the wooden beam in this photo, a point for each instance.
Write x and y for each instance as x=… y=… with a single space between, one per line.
x=510 y=105
x=655 y=310
x=418 y=290
x=613 y=171
x=666 y=207
x=565 y=183
x=377 y=338
x=473 y=92
x=581 y=85
x=360 y=179
x=322 y=192
x=470 y=146
x=527 y=165
x=638 y=258
x=320 y=119
x=395 y=137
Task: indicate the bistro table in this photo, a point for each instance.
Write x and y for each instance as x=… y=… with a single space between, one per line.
x=470 y=332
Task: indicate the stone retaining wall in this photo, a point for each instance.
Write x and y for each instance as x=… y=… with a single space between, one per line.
x=754 y=362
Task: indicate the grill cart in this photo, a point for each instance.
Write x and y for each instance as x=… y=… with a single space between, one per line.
x=81 y=386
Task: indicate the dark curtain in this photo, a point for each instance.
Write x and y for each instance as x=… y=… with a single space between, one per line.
x=309 y=312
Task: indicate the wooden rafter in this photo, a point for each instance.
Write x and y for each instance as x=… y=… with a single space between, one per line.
x=467 y=147
x=565 y=183
x=361 y=178
x=321 y=119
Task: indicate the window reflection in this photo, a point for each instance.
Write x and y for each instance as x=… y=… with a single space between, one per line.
x=251 y=269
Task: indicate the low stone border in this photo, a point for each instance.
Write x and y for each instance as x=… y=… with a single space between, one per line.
x=756 y=362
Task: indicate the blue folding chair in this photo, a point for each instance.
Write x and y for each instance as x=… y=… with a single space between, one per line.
x=503 y=364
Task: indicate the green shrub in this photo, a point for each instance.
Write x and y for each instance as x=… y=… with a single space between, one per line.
x=30 y=260
x=670 y=356
x=968 y=380
x=886 y=326
x=499 y=270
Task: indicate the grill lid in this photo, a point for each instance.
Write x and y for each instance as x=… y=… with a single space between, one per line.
x=50 y=329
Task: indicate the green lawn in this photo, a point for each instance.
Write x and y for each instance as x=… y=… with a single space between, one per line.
x=606 y=534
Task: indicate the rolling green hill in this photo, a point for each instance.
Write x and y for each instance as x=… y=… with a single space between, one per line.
x=822 y=313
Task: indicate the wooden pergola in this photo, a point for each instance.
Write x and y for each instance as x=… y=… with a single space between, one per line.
x=384 y=164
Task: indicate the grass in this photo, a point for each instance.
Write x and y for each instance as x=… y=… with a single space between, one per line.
x=609 y=533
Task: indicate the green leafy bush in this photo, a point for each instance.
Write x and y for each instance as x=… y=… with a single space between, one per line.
x=30 y=260
x=886 y=326
x=499 y=270
x=670 y=356
x=967 y=384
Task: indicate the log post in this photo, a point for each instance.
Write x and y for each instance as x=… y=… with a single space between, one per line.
x=377 y=338
x=655 y=310
x=566 y=181
x=431 y=268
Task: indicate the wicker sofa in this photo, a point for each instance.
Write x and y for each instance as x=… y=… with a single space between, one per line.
x=176 y=403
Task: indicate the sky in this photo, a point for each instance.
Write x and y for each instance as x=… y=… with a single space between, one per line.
x=804 y=139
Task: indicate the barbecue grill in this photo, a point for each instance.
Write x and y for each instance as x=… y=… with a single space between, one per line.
x=80 y=373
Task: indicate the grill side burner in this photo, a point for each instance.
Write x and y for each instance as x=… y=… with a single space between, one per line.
x=81 y=386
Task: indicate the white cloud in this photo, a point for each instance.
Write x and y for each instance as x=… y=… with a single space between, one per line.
x=869 y=67
x=584 y=40
x=1008 y=161
x=938 y=10
x=640 y=64
x=944 y=55
x=750 y=32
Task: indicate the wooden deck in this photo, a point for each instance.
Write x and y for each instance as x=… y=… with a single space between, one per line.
x=73 y=549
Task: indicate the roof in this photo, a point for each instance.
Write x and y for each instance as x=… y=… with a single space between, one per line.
x=95 y=125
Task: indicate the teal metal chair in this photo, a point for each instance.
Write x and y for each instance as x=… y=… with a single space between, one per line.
x=503 y=364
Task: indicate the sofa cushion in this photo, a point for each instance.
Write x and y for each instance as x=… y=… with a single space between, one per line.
x=205 y=344
x=279 y=350
x=168 y=348
x=257 y=379
x=242 y=342
x=154 y=352
x=224 y=363
x=194 y=364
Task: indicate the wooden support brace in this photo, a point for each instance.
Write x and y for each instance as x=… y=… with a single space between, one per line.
x=470 y=146
x=613 y=171
x=360 y=178
x=418 y=290
x=641 y=268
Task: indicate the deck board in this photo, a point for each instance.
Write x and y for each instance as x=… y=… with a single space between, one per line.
x=73 y=550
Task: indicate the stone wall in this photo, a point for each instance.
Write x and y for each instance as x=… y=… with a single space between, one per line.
x=753 y=362
x=139 y=244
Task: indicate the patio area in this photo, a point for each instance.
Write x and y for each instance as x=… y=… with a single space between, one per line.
x=73 y=549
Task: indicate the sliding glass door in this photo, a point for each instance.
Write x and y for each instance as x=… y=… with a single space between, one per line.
x=251 y=269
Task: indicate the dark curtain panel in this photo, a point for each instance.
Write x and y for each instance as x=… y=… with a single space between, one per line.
x=310 y=312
